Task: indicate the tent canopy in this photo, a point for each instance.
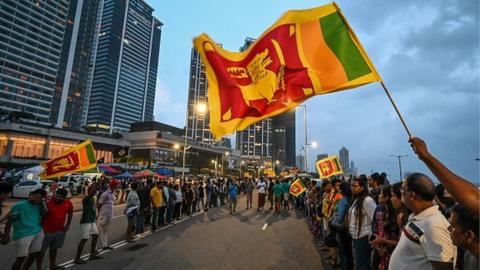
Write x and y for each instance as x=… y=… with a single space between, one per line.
x=124 y=175
x=107 y=169
x=144 y=173
x=165 y=171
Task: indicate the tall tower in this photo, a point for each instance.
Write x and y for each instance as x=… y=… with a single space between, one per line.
x=344 y=159
x=44 y=52
x=256 y=141
x=198 y=119
x=123 y=67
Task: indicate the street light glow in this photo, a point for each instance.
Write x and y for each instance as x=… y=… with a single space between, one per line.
x=176 y=146
x=227 y=153
x=314 y=144
x=201 y=107
x=277 y=161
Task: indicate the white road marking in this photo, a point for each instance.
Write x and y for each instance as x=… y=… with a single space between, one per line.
x=264 y=227
x=122 y=243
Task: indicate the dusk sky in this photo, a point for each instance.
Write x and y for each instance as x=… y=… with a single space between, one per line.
x=427 y=52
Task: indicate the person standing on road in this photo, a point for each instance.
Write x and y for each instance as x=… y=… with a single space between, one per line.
x=178 y=202
x=249 y=187
x=262 y=189
x=88 y=226
x=172 y=198
x=5 y=191
x=233 y=197
x=55 y=226
x=105 y=213
x=201 y=196
x=286 y=194
x=156 y=197
x=425 y=242
x=131 y=210
x=278 y=192
x=25 y=216
x=270 y=192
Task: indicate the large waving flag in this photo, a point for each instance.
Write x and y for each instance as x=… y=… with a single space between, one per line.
x=305 y=53
x=328 y=167
x=78 y=158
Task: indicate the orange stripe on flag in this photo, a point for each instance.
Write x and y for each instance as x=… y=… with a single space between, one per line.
x=82 y=155
x=320 y=57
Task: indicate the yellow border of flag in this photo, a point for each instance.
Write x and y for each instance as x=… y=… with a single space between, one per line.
x=334 y=159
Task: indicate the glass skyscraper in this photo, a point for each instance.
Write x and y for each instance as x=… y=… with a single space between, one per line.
x=44 y=52
x=123 y=66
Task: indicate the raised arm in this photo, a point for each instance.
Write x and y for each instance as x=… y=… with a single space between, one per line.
x=462 y=191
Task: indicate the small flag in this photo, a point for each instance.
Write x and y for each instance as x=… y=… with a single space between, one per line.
x=305 y=53
x=328 y=167
x=297 y=187
x=78 y=158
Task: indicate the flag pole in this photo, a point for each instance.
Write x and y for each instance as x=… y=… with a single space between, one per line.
x=396 y=109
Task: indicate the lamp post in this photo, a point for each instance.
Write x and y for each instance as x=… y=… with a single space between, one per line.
x=227 y=154
x=200 y=108
x=275 y=164
x=399 y=163
x=214 y=162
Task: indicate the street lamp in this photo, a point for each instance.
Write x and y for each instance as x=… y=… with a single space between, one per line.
x=399 y=163
x=214 y=162
x=200 y=108
x=313 y=145
x=241 y=163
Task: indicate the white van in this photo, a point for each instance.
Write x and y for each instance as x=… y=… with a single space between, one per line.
x=73 y=183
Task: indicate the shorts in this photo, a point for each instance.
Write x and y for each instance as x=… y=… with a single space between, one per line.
x=29 y=244
x=88 y=229
x=53 y=240
x=286 y=196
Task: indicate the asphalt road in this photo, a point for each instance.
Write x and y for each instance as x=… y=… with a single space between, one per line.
x=210 y=240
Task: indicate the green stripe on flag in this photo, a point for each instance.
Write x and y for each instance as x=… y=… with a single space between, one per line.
x=335 y=33
x=90 y=153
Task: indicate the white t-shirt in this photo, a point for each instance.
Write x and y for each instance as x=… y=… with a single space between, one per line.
x=262 y=187
x=367 y=217
x=425 y=238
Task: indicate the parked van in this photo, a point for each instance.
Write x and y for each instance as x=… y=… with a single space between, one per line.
x=73 y=183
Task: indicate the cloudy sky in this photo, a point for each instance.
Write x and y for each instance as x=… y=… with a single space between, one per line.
x=427 y=52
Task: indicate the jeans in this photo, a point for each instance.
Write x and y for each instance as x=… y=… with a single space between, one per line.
x=362 y=253
x=140 y=223
x=156 y=211
x=345 y=250
x=161 y=218
x=170 y=212
x=202 y=203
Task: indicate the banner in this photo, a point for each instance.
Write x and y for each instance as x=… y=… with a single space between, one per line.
x=305 y=53
x=328 y=167
x=78 y=158
x=297 y=187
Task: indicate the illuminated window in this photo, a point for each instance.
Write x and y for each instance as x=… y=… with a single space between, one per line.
x=28 y=146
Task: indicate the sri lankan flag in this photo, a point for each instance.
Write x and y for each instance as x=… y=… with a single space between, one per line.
x=305 y=53
x=297 y=187
x=328 y=167
x=78 y=158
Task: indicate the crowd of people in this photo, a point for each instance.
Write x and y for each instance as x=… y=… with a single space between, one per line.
x=368 y=223
x=363 y=222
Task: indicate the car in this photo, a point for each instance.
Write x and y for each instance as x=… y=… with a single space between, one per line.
x=23 y=189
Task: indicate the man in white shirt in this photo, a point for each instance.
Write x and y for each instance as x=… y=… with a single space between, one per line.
x=262 y=190
x=425 y=241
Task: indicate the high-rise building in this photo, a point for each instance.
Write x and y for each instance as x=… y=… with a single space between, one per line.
x=300 y=162
x=44 y=52
x=198 y=119
x=123 y=66
x=283 y=128
x=321 y=156
x=256 y=141
x=344 y=159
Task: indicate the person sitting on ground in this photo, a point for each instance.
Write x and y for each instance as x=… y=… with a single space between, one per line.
x=55 y=226
x=464 y=230
x=425 y=242
x=461 y=190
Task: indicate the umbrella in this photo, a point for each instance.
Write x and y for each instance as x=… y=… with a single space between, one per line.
x=124 y=175
x=165 y=171
x=144 y=173
x=108 y=169
x=159 y=176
